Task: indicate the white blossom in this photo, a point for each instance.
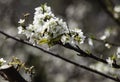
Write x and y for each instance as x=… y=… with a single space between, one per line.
x=71 y=40
x=90 y=41
x=103 y=37
x=63 y=39
x=20 y=30
x=75 y=37
x=106 y=34
x=116 y=15
x=21 y=21
x=109 y=61
x=78 y=35
x=117 y=8
x=2 y=61
x=28 y=33
x=118 y=52
x=108 y=45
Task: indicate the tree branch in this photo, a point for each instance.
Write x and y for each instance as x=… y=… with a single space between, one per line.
x=62 y=58
x=90 y=55
x=10 y=74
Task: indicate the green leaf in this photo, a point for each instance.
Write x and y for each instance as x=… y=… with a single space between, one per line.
x=43 y=41
x=113 y=57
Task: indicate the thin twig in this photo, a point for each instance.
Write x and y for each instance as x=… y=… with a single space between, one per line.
x=105 y=8
x=62 y=58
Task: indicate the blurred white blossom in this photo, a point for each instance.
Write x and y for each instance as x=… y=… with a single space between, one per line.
x=21 y=21
x=116 y=15
x=90 y=41
x=109 y=61
x=108 y=45
x=105 y=35
x=20 y=30
x=2 y=61
x=46 y=28
x=75 y=37
x=64 y=39
x=117 y=9
x=118 y=52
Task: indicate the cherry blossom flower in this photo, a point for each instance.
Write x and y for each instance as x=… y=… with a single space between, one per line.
x=108 y=45
x=90 y=41
x=20 y=30
x=117 y=8
x=21 y=21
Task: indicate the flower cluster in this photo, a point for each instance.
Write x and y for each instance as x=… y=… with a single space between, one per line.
x=46 y=28
x=74 y=37
x=115 y=58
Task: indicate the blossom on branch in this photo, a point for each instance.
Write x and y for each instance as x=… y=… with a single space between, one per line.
x=118 y=52
x=21 y=21
x=90 y=41
x=110 y=61
x=117 y=9
x=48 y=29
x=75 y=37
x=20 y=30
